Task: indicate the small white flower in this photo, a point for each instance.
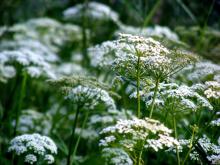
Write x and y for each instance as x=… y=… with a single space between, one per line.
x=116 y=156
x=128 y=134
x=91 y=97
x=95 y=11
x=34 y=145
x=30 y=158
x=212 y=89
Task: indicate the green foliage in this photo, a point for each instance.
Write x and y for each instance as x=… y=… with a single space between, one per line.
x=109 y=82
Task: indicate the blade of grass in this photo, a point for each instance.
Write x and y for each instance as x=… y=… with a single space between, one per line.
x=151 y=13
x=205 y=26
x=187 y=10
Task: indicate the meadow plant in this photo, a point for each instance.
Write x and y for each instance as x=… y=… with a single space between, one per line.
x=136 y=135
x=138 y=57
x=107 y=87
x=85 y=94
x=34 y=148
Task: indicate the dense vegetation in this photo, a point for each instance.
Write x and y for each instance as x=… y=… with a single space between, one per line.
x=120 y=82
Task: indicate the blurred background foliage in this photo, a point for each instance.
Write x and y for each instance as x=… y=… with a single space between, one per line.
x=196 y=22
x=167 y=12
x=175 y=14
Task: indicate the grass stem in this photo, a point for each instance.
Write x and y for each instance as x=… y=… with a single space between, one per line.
x=72 y=137
x=138 y=89
x=80 y=134
x=176 y=137
x=154 y=98
x=20 y=102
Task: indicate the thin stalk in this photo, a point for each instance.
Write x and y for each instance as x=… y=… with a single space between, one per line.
x=72 y=137
x=84 y=34
x=79 y=137
x=187 y=10
x=138 y=89
x=140 y=153
x=152 y=12
x=154 y=97
x=176 y=136
x=20 y=102
x=190 y=146
x=201 y=38
x=139 y=158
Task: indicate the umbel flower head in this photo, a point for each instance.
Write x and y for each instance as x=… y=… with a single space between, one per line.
x=212 y=89
x=34 y=121
x=90 y=97
x=50 y=32
x=86 y=92
x=154 y=59
x=156 y=31
x=34 y=147
x=99 y=121
x=116 y=156
x=131 y=135
x=183 y=96
x=94 y=11
x=211 y=150
x=102 y=55
x=199 y=72
x=33 y=64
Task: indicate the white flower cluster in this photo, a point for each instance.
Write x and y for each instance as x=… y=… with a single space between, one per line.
x=48 y=31
x=6 y=72
x=69 y=69
x=185 y=97
x=216 y=78
x=212 y=89
x=32 y=45
x=94 y=11
x=35 y=146
x=129 y=134
x=99 y=121
x=144 y=46
x=90 y=97
x=30 y=158
x=215 y=159
x=87 y=133
x=212 y=150
x=201 y=71
x=122 y=54
x=110 y=117
x=159 y=31
x=155 y=59
x=33 y=64
x=116 y=156
x=33 y=121
x=102 y=56
x=216 y=122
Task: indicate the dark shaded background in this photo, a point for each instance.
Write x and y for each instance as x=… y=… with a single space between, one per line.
x=169 y=13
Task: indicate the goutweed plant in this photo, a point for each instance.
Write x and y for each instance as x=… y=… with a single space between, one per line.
x=92 y=89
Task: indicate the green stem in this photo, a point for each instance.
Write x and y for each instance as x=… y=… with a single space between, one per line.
x=140 y=153
x=152 y=12
x=79 y=137
x=154 y=97
x=20 y=102
x=187 y=10
x=190 y=147
x=138 y=89
x=201 y=37
x=72 y=137
x=84 y=35
x=176 y=137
